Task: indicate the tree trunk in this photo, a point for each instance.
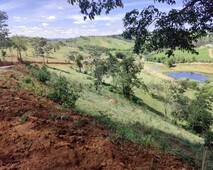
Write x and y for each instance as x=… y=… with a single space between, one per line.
x=204 y=159
x=20 y=55
x=43 y=60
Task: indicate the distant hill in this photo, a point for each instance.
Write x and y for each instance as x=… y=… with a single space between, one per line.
x=105 y=42
x=56 y=39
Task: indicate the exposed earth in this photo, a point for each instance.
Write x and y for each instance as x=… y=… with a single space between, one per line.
x=48 y=137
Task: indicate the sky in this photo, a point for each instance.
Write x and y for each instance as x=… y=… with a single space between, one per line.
x=58 y=19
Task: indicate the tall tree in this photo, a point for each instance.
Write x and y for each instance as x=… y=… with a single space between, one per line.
x=3 y=30
x=178 y=28
x=126 y=76
x=48 y=50
x=20 y=44
x=39 y=47
x=78 y=60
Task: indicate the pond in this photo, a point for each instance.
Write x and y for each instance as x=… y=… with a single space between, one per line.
x=188 y=75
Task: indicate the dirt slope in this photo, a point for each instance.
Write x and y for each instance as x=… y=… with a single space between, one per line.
x=45 y=141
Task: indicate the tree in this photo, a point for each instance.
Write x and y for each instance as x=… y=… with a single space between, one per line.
x=78 y=60
x=100 y=71
x=20 y=44
x=47 y=50
x=72 y=55
x=200 y=116
x=56 y=47
x=3 y=29
x=178 y=28
x=39 y=47
x=127 y=75
x=4 y=40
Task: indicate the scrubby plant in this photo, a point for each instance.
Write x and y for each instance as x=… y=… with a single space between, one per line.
x=27 y=80
x=41 y=74
x=24 y=118
x=170 y=62
x=3 y=54
x=63 y=93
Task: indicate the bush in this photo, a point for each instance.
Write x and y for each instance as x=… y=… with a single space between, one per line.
x=63 y=93
x=170 y=62
x=186 y=83
x=41 y=74
x=3 y=53
x=208 y=139
x=201 y=122
x=27 y=80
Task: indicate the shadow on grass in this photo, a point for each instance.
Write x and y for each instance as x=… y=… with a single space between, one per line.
x=57 y=69
x=148 y=136
x=136 y=100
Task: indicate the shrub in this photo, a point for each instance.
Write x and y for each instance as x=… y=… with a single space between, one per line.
x=208 y=139
x=24 y=118
x=3 y=53
x=201 y=122
x=41 y=74
x=63 y=93
x=170 y=62
x=27 y=80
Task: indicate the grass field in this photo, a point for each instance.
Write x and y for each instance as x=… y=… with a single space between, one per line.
x=144 y=123
x=203 y=55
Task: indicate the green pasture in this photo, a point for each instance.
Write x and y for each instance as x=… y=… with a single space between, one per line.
x=203 y=55
x=143 y=122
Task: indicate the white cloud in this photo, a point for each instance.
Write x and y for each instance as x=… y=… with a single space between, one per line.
x=51 y=17
x=19 y=19
x=60 y=8
x=45 y=24
x=58 y=32
x=20 y=27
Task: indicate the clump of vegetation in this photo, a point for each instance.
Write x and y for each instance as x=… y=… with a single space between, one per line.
x=41 y=74
x=27 y=80
x=24 y=118
x=197 y=111
x=3 y=54
x=201 y=119
x=63 y=93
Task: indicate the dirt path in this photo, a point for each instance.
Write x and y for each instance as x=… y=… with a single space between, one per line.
x=210 y=53
x=52 y=138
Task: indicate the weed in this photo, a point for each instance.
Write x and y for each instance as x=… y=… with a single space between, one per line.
x=24 y=118
x=27 y=80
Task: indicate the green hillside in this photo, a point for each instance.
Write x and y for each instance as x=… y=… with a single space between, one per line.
x=202 y=56
x=105 y=42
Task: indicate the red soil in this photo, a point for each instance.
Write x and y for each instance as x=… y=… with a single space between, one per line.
x=43 y=142
x=6 y=63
